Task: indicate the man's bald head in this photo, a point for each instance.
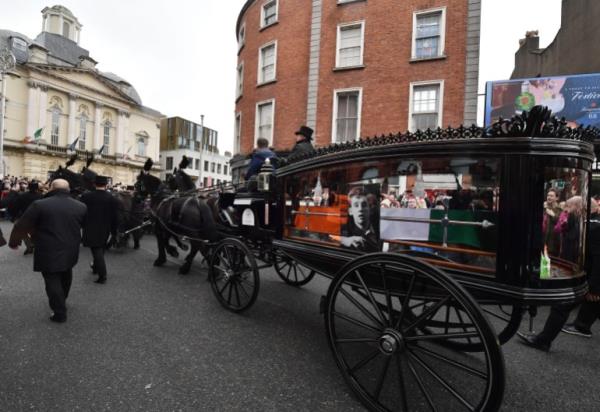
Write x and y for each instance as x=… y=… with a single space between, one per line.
x=59 y=184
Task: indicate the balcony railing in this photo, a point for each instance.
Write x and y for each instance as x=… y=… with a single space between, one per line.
x=56 y=149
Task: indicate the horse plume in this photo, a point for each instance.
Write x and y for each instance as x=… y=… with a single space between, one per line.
x=184 y=162
x=148 y=165
x=71 y=161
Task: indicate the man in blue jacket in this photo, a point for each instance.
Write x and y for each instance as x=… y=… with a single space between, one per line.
x=259 y=156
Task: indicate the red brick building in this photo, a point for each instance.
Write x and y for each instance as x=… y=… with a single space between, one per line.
x=354 y=68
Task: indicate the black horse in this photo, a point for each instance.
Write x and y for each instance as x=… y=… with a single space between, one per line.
x=180 y=214
x=79 y=183
x=131 y=216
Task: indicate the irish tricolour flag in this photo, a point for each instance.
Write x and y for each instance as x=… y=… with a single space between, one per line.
x=413 y=225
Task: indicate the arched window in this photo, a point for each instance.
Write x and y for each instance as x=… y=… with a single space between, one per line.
x=141 y=146
x=66 y=28
x=55 y=126
x=107 y=135
x=82 y=131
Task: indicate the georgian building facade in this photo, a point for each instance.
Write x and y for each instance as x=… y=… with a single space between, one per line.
x=353 y=68
x=56 y=97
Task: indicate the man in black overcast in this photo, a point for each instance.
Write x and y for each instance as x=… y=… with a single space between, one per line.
x=54 y=223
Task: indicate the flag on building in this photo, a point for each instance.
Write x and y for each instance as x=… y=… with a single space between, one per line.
x=126 y=154
x=72 y=146
x=37 y=135
x=101 y=149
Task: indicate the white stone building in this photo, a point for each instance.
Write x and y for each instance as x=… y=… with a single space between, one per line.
x=56 y=96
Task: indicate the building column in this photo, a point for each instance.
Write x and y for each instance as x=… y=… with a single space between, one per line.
x=98 y=138
x=43 y=96
x=126 y=141
x=122 y=120
x=313 y=66
x=71 y=132
x=32 y=100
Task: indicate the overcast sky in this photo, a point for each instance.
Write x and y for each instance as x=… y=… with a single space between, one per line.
x=180 y=55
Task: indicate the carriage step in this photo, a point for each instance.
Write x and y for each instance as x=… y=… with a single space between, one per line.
x=322 y=304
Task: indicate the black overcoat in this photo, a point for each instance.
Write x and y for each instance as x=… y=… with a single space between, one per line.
x=101 y=220
x=55 y=225
x=25 y=200
x=301 y=148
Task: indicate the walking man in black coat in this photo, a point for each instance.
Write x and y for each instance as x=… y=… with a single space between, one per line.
x=101 y=221
x=55 y=226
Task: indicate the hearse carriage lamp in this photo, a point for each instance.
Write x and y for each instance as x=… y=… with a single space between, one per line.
x=265 y=176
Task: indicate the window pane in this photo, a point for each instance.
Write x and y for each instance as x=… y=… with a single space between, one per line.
x=268 y=63
x=265 y=120
x=347 y=117
x=350 y=56
x=270 y=13
x=426 y=98
x=425 y=121
x=427 y=47
x=350 y=46
x=350 y=36
x=563 y=226
x=352 y=105
x=107 y=134
x=428 y=25
x=55 y=127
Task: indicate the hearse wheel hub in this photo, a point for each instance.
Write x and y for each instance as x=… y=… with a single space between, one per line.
x=391 y=342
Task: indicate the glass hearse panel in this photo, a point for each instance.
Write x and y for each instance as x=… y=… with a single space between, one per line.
x=563 y=222
x=443 y=210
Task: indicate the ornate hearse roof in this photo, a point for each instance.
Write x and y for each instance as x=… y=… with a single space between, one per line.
x=537 y=123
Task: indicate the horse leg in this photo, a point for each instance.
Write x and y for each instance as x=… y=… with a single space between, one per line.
x=185 y=268
x=160 y=241
x=180 y=244
x=137 y=235
x=171 y=250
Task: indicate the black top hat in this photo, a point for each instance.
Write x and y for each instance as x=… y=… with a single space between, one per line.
x=101 y=180
x=305 y=131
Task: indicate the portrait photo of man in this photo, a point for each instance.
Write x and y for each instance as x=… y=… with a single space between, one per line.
x=360 y=232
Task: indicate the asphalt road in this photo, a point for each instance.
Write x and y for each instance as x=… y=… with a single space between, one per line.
x=153 y=340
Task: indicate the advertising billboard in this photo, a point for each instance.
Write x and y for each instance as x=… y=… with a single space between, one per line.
x=576 y=98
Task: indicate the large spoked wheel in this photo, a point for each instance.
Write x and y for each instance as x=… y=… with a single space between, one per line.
x=233 y=275
x=292 y=272
x=382 y=351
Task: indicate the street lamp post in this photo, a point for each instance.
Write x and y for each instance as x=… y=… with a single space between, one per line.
x=7 y=63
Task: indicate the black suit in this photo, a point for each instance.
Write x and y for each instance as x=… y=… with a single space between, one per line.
x=55 y=225
x=101 y=221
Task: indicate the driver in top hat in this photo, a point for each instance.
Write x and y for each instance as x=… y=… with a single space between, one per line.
x=303 y=141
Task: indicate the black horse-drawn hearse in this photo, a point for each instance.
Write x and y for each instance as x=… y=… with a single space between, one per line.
x=434 y=241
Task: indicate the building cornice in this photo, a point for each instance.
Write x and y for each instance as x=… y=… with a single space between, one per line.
x=35 y=83
x=46 y=69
